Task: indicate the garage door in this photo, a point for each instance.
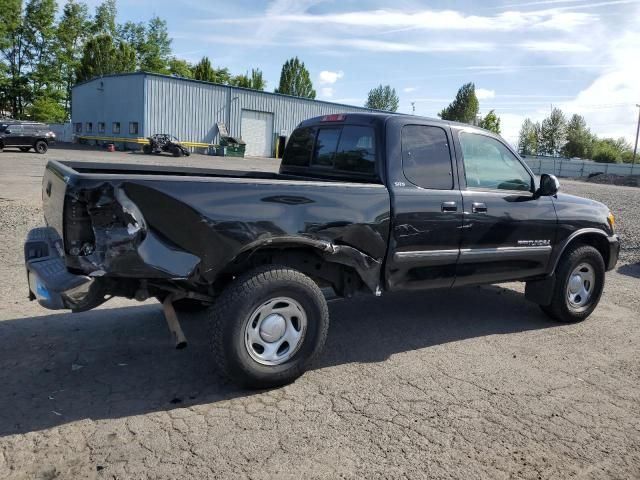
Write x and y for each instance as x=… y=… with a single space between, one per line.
x=257 y=130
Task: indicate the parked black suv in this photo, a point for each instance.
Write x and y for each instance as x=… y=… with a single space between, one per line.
x=26 y=135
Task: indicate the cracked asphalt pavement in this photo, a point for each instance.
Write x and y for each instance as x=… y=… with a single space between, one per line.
x=470 y=383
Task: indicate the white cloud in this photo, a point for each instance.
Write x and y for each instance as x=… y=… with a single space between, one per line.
x=553 y=46
x=484 y=94
x=409 y=89
x=382 y=46
x=326 y=92
x=608 y=103
x=328 y=77
x=434 y=20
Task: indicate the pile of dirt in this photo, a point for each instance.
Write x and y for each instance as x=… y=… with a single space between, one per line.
x=612 y=179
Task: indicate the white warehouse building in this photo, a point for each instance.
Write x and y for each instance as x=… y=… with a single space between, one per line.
x=136 y=105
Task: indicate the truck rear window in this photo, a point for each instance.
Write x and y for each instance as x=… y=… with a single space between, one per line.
x=348 y=148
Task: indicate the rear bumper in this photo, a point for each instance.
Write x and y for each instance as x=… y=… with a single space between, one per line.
x=49 y=281
x=614 y=251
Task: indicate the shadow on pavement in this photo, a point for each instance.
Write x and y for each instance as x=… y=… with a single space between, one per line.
x=630 y=269
x=113 y=363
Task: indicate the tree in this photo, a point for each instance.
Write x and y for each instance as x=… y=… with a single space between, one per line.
x=295 y=80
x=71 y=35
x=610 y=150
x=13 y=45
x=383 y=98
x=203 y=70
x=180 y=68
x=465 y=107
x=102 y=57
x=579 y=139
x=528 y=139
x=41 y=45
x=254 y=81
x=553 y=133
x=104 y=21
x=491 y=122
x=46 y=109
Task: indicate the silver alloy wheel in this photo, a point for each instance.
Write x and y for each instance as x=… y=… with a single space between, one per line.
x=275 y=330
x=580 y=286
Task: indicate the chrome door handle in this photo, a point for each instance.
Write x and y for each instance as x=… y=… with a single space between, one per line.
x=449 y=207
x=478 y=207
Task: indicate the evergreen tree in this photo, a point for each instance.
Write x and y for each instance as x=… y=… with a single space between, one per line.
x=579 y=139
x=295 y=80
x=528 y=139
x=553 y=133
x=464 y=108
x=491 y=122
x=203 y=70
x=383 y=98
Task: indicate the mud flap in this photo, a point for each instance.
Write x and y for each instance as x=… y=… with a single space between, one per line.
x=540 y=291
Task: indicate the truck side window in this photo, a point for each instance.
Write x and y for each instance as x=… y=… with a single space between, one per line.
x=298 y=151
x=426 y=158
x=357 y=150
x=489 y=164
x=326 y=146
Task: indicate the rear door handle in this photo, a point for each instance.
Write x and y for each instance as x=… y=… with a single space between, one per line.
x=478 y=207
x=449 y=207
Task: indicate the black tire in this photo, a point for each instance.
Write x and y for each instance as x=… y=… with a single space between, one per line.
x=41 y=147
x=186 y=305
x=25 y=149
x=176 y=151
x=146 y=149
x=229 y=317
x=561 y=308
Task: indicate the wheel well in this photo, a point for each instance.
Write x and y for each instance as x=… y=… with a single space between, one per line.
x=599 y=242
x=343 y=279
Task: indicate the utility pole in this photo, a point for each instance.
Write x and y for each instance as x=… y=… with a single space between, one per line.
x=635 y=149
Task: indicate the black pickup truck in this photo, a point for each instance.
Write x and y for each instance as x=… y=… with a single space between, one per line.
x=363 y=203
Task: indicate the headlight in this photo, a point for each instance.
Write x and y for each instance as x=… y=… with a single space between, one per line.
x=611 y=219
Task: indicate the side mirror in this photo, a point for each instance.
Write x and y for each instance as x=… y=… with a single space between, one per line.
x=549 y=186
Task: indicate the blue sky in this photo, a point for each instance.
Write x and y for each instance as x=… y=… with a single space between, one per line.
x=523 y=55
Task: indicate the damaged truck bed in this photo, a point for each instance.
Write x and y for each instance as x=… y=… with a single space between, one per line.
x=139 y=231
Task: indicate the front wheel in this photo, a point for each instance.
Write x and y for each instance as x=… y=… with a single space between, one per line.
x=268 y=326
x=41 y=147
x=579 y=284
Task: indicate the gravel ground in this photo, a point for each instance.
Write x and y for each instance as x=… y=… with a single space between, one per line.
x=410 y=385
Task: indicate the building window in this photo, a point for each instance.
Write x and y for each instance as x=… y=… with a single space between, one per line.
x=78 y=127
x=101 y=127
x=115 y=127
x=89 y=127
x=133 y=128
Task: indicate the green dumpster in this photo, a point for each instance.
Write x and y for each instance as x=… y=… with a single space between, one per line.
x=232 y=147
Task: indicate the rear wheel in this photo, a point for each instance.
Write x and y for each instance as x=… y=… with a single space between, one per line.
x=25 y=149
x=579 y=284
x=41 y=147
x=146 y=149
x=268 y=326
